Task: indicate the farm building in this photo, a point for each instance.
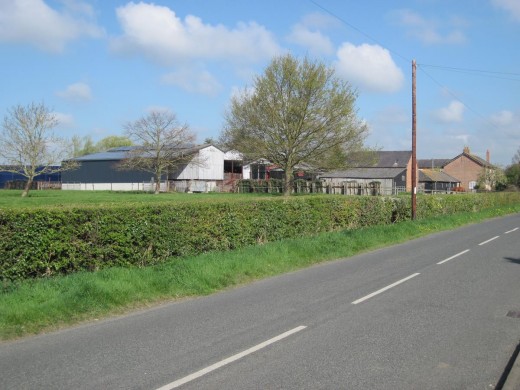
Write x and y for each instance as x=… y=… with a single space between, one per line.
x=389 y=170
x=100 y=171
x=434 y=181
x=16 y=180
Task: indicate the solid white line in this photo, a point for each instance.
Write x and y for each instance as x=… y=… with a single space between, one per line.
x=384 y=289
x=491 y=239
x=230 y=359
x=452 y=257
x=511 y=231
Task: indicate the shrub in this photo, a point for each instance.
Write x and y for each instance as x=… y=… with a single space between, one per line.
x=42 y=242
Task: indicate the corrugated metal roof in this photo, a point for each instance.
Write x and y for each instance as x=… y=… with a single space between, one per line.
x=119 y=153
x=436 y=176
x=365 y=173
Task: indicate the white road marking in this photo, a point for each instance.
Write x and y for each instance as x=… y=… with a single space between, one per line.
x=452 y=257
x=511 y=231
x=230 y=359
x=491 y=239
x=384 y=289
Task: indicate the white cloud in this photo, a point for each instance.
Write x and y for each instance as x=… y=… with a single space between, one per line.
x=35 y=23
x=503 y=118
x=65 y=121
x=511 y=6
x=77 y=92
x=193 y=81
x=159 y=34
x=369 y=67
x=451 y=114
x=307 y=34
x=428 y=31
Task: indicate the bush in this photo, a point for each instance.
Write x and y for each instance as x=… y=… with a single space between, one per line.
x=42 y=242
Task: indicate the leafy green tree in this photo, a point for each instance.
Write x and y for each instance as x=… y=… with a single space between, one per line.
x=113 y=141
x=492 y=179
x=84 y=145
x=297 y=112
x=28 y=145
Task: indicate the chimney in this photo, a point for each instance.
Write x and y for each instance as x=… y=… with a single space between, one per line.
x=466 y=150
x=487 y=156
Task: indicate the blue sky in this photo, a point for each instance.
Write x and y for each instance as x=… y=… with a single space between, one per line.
x=99 y=64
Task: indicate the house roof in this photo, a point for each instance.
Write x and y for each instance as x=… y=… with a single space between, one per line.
x=385 y=159
x=365 y=173
x=476 y=159
x=121 y=152
x=432 y=163
x=430 y=175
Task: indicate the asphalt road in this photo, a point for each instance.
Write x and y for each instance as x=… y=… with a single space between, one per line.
x=434 y=313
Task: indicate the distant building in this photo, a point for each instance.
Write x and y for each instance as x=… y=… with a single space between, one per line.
x=392 y=169
x=432 y=181
x=16 y=180
x=467 y=167
x=99 y=171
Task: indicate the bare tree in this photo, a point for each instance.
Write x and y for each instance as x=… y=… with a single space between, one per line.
x=28 y=145
x=163 y=145
x=297 y=112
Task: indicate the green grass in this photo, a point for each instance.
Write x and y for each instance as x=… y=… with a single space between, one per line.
x=36 y=306
x=11 y=199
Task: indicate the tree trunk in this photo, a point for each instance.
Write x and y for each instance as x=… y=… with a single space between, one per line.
x=157 y=184
x=27 y=188
x=287 y=184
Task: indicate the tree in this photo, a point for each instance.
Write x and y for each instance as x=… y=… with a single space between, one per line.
x=297 y=112
x=492 y=179
x=163 y=145
x=85 y=145
x=28 y=145
x=512 y=172
x=113 y=141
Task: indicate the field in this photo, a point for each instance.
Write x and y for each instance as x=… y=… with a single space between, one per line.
x=13 y=199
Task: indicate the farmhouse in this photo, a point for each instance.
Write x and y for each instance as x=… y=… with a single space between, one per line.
x=391 y=170
x=467 y=167
x=100 y=171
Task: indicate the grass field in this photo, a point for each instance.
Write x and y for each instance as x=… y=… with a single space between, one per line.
x=13 y=199
x=36 y=306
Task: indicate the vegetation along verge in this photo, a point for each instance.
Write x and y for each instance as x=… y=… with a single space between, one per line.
x=35 y=305
x=59 y=240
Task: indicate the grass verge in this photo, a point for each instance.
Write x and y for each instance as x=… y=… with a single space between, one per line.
x=36 y=306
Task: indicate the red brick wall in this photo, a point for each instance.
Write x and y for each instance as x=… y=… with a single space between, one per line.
x=464 y=169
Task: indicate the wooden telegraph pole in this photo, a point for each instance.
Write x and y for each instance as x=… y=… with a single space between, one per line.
x=414 y=144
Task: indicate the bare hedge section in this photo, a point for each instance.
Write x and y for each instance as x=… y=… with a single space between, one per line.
x=44 y=242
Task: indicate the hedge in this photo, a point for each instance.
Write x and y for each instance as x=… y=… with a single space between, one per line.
x=42 y=242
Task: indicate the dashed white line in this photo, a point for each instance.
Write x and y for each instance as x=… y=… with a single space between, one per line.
x=511 y=231
x=384 y=289
x=491 y=239
x=452 y=257
x=230 y=359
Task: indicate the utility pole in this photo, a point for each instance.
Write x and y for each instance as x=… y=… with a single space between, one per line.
x=414 y=141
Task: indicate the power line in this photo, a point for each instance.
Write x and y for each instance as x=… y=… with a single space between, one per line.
x=477 y=72
x=359 y=30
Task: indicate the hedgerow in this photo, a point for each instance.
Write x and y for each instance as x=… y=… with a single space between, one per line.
x=40 y=242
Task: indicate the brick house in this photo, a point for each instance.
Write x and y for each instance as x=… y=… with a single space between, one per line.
x=467 y=167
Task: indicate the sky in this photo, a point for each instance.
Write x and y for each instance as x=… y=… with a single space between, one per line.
x=100 y=64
